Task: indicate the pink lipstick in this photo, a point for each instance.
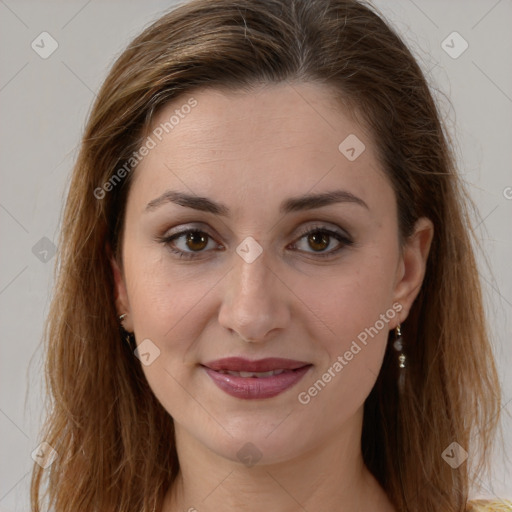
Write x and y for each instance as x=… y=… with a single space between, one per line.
x=264 y=378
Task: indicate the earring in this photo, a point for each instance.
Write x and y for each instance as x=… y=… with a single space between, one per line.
x=129 y=337
x=398 y=346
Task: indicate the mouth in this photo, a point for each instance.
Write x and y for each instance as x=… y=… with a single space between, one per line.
x=260 y=379
x=260 y=366
x=258 y=375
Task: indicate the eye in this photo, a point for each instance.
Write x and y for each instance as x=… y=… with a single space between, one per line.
x=193 y=239
x=319 y=238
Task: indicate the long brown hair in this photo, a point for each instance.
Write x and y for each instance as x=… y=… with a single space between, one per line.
x=115 y=441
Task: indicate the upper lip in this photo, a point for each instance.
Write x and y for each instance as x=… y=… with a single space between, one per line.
x=239 y=364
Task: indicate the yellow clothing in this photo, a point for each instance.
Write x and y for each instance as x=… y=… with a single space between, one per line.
x=489 y=506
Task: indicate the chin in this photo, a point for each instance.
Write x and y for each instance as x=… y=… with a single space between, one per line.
x=257 y=448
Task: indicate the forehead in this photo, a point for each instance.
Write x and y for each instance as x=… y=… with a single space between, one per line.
x=270 y=114
x=275 y=139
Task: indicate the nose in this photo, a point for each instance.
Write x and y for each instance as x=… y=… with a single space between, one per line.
x=254 y=301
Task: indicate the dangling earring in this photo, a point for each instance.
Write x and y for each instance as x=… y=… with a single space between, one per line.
x=398 y=346
x=129 y=337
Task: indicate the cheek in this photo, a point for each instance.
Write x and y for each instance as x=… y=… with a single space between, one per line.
x=353 y=296
x=355 y=309
x=352 y=340
x=354 y=325
x=160 y=292
x=167 y=309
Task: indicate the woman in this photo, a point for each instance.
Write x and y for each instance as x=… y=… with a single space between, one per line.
x=267 y=295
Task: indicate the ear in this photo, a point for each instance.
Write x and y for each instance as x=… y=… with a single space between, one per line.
x=412 y=265
x=121 y=295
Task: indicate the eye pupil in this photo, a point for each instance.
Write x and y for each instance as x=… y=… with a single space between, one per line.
x=196 y=237
x=319 y=238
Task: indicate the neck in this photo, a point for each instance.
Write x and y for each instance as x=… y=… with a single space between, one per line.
x=330 y=476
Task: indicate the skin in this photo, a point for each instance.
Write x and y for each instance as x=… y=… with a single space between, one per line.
x=250 y=151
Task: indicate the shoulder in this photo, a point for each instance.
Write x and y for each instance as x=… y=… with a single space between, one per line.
x=489 y=506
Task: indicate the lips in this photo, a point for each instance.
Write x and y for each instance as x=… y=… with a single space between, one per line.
x=239 y=364
x=260 y=375
x=260 y=379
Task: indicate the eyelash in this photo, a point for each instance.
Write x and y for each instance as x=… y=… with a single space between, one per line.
x=166 y=240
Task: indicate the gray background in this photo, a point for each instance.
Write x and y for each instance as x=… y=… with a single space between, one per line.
x=44 y=103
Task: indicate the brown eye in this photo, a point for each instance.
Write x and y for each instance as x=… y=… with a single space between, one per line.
x=318 y=240
x=186 y=244
x=196 y=240
x=190 y=243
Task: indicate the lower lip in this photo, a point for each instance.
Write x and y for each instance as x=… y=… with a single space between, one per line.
x=256 y=387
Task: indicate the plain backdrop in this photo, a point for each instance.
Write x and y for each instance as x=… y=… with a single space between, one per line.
x=44 y=104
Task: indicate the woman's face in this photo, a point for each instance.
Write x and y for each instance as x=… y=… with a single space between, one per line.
x=250 y=165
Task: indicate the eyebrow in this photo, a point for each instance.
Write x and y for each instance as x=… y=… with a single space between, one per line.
x=293 y=204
